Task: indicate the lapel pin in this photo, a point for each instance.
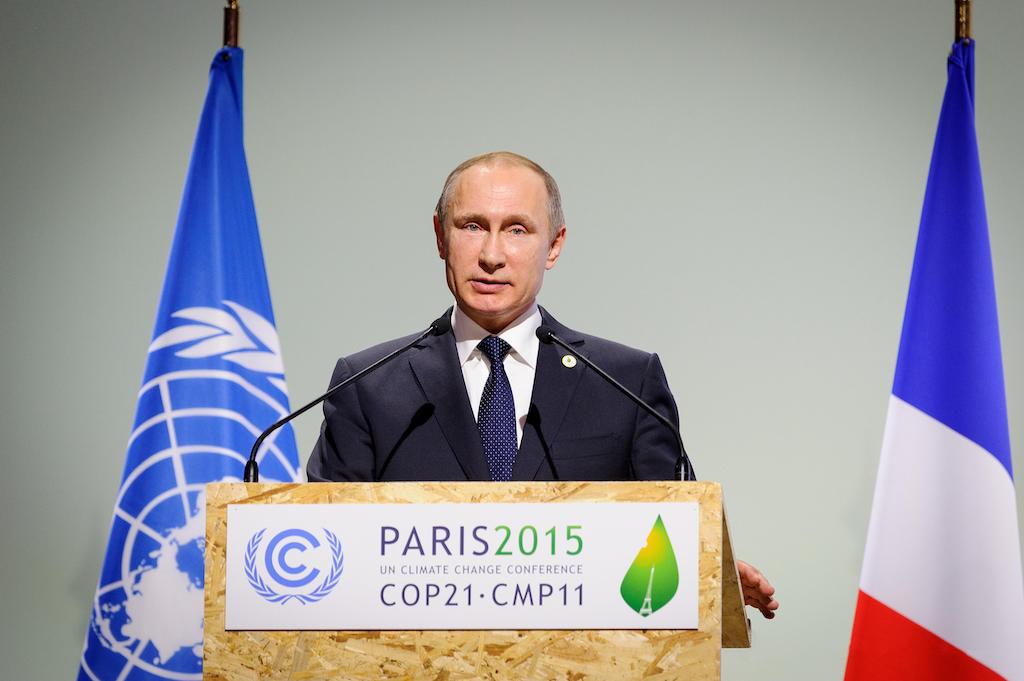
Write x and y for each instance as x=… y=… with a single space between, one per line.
x=568 y=361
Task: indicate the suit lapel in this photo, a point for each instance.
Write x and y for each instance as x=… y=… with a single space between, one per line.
x=553 y=387
x=439 y=375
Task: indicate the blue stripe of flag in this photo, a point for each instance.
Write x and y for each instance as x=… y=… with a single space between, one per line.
x=950 y=362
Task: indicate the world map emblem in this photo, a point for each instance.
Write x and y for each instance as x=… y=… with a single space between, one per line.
x=214 y=381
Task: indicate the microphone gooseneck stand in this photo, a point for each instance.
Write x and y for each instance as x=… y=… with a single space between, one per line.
x=684 y=469
x=438 y=327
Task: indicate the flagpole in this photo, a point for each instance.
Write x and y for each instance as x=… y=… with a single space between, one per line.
x=962 y=20
x=231 y=24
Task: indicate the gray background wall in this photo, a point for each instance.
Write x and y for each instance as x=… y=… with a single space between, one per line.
x=742 y=182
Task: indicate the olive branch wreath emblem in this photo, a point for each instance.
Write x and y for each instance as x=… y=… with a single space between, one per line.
x=235 y=334
x=260 y=586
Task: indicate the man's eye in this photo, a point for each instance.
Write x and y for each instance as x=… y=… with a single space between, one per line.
x=518 y=229
x=472 y=227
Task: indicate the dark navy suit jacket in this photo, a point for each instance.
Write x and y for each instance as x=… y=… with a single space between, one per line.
x=411 y=419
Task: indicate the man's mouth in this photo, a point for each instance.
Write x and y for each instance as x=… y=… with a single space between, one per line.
x=488 y=285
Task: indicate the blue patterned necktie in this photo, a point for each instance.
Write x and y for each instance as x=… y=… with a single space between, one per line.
x=496 y=417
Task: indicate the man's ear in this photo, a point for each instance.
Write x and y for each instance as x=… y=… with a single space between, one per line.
x=556 y=248
x=439 y=235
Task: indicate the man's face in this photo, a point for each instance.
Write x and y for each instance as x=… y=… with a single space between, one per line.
x=496 y=242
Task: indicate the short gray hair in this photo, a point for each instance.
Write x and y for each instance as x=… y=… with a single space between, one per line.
x=555 y=216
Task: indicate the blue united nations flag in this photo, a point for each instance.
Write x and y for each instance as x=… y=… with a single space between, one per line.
x=214 y=379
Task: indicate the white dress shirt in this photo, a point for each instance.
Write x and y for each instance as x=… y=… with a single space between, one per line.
x=520 y=362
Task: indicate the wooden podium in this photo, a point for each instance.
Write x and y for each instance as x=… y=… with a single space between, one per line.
x=616 y=655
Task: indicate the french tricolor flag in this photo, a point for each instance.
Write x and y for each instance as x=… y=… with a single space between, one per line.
x=941 y=591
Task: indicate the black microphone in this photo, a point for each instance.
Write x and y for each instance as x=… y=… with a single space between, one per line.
x=684 y=470
x=438 y=327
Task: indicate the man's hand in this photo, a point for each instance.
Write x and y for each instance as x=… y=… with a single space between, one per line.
x=757 y=590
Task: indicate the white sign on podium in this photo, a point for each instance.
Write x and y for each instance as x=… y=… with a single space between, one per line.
x=462 y=566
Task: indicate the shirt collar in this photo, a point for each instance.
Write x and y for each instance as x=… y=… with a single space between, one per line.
x=521 y=334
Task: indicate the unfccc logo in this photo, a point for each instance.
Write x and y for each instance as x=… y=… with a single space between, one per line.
x=289 y=563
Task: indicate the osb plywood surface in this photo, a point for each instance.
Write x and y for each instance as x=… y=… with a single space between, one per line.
x=452 y=655
x=735 y=625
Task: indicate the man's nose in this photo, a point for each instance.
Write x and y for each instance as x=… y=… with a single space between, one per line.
x=492 y=254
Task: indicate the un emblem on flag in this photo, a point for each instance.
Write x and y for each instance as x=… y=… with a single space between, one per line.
x=217 y=381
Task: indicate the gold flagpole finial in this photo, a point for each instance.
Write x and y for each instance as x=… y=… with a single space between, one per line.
x=963 y=20
x=231 y=24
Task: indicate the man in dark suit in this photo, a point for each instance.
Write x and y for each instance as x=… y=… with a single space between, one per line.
x=487 y=400
x=413 y=419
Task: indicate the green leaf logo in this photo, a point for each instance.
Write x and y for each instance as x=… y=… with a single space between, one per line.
x=652 y=579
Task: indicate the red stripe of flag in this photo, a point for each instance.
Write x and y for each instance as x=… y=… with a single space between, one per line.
x=886 y=645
